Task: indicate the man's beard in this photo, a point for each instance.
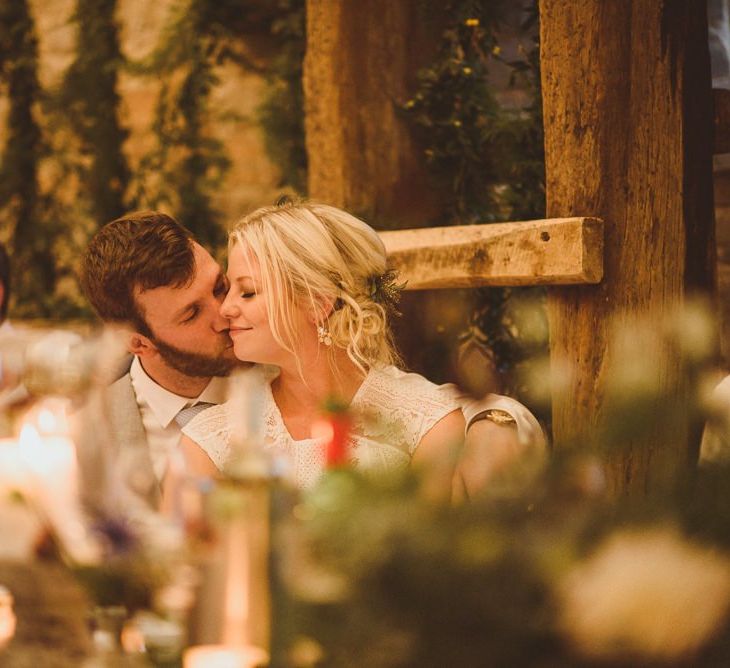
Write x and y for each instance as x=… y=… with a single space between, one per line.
x=194 y=364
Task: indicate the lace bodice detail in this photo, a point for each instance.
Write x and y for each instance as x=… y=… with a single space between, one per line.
x=392 y=411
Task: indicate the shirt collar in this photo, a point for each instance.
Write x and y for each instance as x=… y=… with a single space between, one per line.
x=165 y=405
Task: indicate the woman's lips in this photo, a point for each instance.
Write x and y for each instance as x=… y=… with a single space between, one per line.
x=237 y=330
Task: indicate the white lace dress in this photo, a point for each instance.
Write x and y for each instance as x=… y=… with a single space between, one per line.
x=392 y=410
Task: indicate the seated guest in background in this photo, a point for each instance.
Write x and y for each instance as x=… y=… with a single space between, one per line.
x=715 y=445
x=11 y=392
x=310 y=294
x=4 y=288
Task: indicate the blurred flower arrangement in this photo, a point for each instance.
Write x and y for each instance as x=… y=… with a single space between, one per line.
x=556 y=575
x=546 y=568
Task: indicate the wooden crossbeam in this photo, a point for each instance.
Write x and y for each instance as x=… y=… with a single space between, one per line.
x=558 y=251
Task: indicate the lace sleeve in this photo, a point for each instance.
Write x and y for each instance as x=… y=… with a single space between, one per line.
x=400 y=408
x=212 y=432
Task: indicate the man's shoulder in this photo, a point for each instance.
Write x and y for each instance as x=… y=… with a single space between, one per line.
x=121 y=387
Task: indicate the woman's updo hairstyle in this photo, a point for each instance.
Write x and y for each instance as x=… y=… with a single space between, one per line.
x=322 y=257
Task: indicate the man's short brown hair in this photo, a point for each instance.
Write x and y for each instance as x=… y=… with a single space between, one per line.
x=139 y=251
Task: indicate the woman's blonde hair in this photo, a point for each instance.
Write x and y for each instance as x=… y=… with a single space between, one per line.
x=329 y=260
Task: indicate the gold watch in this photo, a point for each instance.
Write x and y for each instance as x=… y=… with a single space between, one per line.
x=500 y=417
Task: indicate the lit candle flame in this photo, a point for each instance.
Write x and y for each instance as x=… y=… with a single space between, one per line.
x=47 y=422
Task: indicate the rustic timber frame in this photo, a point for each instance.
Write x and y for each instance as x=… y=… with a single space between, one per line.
x=562 y=251
x=628 y=112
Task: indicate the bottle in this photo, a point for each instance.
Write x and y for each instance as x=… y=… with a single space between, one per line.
x=233 y=605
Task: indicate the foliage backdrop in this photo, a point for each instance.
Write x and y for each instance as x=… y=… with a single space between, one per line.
x=67 y=166
x=71 y=156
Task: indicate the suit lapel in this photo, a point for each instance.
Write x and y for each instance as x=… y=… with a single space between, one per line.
x=133 y=454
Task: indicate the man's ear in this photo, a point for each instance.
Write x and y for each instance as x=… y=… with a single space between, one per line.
x=139 y=344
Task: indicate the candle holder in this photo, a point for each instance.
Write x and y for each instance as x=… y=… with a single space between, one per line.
x=8 y=620
x=234 y=606
x=223 y=656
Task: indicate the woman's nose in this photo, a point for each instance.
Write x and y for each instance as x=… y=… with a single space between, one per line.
x=228 y=308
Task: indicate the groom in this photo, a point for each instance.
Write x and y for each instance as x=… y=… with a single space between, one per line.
x=144 y=271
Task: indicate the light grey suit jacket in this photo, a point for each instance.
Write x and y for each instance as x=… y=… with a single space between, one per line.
x=114 y=458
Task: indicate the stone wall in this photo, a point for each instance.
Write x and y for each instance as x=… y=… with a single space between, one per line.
x=252 y=179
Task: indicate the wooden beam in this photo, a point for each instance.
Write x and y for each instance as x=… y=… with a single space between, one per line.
x=628 y=136
x=560 y=251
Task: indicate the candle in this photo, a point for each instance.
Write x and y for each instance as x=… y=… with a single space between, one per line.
x=7 y=617
x=224 y=656
x=53 y=475
x=13 y=471
x=20 y=526
x=237 y=595
x=42 y=467
x=51 y=459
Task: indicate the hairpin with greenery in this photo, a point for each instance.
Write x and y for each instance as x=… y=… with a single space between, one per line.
x=384 y=290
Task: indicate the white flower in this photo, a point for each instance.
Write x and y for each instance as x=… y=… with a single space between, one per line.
x=650 y=594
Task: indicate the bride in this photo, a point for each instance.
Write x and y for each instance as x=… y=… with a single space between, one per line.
x=310 y=295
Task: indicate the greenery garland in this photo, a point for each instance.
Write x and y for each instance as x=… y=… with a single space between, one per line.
x=23 y=208
x=282 y=113
x=90 y=103
x=192 y=45
x=490 y=159
x=201 y=36
x=455 y=113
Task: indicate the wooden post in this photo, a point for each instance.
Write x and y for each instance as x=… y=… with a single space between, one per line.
x=359 y=64
x=628 y=138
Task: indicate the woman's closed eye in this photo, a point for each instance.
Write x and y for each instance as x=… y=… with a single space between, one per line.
x=248 y=295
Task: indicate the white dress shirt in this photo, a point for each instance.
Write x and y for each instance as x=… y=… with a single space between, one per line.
x=158 y=408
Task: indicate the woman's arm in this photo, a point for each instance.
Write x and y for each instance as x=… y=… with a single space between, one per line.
x=197 y=461
x=188 y=461
x=437 y=454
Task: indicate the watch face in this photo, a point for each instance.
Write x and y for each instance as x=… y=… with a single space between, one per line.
x=499 y=417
